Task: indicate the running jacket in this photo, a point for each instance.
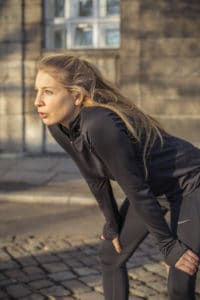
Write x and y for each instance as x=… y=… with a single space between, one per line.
x=101 y=146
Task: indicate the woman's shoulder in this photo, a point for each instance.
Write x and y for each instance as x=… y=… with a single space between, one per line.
x=99 y=116
x=96 y=111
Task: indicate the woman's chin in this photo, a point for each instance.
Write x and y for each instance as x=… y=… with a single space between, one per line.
x=48 y=122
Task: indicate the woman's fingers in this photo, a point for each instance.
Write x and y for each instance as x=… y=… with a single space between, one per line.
x=188 y=262
x=191 y=259
x=192 y=256
x=167 y=267
x=116 y=244
x=102 y=237
x=181 y=265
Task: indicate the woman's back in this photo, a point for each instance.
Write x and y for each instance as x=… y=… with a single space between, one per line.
x=174 y=167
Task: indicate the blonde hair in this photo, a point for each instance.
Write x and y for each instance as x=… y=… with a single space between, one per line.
x=79 y=75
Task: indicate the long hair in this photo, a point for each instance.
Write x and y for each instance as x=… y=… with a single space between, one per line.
x=82 y=76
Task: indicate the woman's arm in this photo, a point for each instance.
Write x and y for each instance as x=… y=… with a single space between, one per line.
x=103 y=193
x=99 y=186
x=108 y=136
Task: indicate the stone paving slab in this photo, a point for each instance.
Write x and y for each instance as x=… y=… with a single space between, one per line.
x=60 y=270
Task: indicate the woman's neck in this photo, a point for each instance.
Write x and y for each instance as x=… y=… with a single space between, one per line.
x=72 y=118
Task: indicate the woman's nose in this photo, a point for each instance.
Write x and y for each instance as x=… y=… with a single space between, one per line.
x=38 y=100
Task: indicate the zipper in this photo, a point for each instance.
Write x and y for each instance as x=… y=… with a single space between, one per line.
x=70 y=137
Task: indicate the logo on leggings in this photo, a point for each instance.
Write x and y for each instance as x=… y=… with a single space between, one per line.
x=184 y=221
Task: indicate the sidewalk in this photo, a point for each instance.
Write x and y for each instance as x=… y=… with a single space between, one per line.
x=47 y=179
x=49 y=251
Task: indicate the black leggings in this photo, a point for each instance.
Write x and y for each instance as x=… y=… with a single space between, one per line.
x=133 y=231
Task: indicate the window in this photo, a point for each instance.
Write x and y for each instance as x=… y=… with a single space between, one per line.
x=75 y=24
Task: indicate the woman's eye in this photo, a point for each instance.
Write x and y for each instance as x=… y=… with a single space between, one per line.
x=48 y=92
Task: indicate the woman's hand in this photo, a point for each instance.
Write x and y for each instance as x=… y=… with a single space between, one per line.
x=188 y=262
x=115 y=242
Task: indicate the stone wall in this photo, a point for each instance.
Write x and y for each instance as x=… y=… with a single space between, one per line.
x=11 y=120
x=160 y=61
x=157 y=66
x=20 y=35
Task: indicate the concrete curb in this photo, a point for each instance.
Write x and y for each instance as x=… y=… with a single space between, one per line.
x=45 y=180
x=42 y=198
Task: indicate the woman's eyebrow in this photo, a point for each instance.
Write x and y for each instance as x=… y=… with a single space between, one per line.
x=45 y=87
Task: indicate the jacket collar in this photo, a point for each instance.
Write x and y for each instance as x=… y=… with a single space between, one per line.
x=73 y=130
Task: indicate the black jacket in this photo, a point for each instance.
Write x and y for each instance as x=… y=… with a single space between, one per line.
x=103 y=149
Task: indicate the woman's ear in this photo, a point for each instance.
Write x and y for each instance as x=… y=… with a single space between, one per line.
x=78 y=98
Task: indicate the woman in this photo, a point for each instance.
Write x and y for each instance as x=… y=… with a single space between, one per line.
x=110 y=138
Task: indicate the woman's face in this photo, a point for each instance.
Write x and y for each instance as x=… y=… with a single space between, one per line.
x=54 y=103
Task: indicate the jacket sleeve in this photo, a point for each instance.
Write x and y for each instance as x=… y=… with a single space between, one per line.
x=109 y=138
x=103 y=193
x=99 y=186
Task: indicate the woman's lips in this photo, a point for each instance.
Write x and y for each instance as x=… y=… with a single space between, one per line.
x=43 y=115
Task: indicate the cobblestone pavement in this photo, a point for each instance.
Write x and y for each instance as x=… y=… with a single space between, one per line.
x=38 y=261
x=66 y=269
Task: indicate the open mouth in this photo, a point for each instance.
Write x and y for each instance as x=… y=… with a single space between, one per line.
x=43 y=115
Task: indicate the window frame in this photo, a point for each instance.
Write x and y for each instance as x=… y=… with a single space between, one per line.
x=69 y=22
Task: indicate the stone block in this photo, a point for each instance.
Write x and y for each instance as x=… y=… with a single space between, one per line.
x=11 y=32
x=179 y=67
x=132 y=91
x=34 y=133
x=30 y=99
x=107 y=65
x=129 y=66
x=92 y=295
x=185 y=127
x=30 y=71
x=130 y=20
x=8 y=3
x=170 y=47
x=10 y=12
x=166 y=19
x=76 y=286
x=10 y=74
x=11 y=133
x=62 y=276
x=33 y=12
x=11 y=51
x=130 y=46
x=31 y=3
x=33 y=50
x=171 y=99
x=34 y=31
x=10 y=101
x=18 y=290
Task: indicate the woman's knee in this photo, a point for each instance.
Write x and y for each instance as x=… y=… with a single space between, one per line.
x=110 y=259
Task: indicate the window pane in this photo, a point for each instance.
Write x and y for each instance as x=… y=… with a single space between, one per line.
x=60 y=38
x=85 y=8
x=109 y=35
x=112 y=37
x=59 y=8
x=83 y=35
x=113 y=7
